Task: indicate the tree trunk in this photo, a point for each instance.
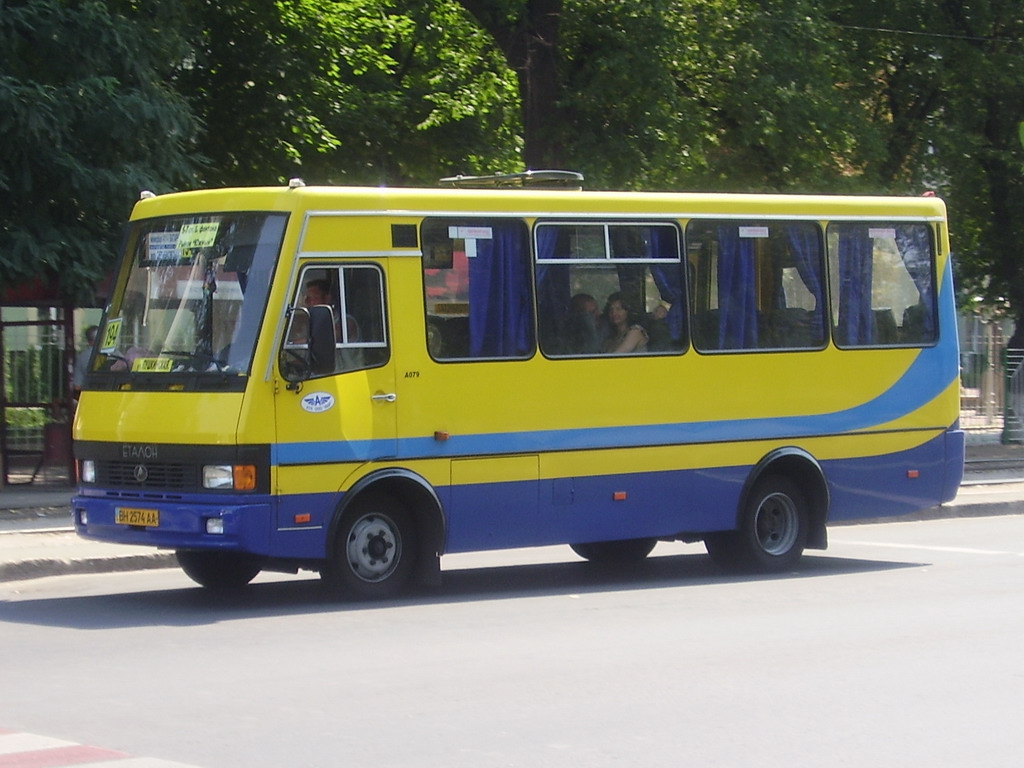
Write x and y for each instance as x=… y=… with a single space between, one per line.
x=530 y=44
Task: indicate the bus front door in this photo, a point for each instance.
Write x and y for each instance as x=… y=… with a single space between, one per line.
x=334 y=422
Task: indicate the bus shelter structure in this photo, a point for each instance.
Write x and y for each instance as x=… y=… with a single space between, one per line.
x=36 y=397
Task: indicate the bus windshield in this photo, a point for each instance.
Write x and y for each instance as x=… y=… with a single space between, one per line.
x=189 y=301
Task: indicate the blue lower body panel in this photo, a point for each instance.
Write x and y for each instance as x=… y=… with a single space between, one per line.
x=899 y=483
x=484 y=516
x=688 y=502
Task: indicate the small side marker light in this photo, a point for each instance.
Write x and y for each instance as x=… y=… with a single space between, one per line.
x=304 y=518
x=441 y=436
x=913 y=474
x=619 y=496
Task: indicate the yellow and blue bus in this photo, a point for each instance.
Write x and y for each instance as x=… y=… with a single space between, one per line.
x=357 y=381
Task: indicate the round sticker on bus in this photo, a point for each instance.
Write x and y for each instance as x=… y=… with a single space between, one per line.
x=318 y=402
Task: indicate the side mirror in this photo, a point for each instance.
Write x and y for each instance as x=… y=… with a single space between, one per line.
x=321 y=339
x=310 y=349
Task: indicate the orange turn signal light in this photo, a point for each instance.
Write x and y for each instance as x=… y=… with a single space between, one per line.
x=244 y=476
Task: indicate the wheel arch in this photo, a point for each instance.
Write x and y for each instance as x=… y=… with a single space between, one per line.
x=804 y=470
x=424 y=505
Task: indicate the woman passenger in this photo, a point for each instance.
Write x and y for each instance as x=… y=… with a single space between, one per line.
x=626 y=335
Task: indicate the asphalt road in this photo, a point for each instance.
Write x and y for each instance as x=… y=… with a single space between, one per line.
x=899 y=647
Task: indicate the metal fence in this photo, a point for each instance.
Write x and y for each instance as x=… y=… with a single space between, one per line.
x=34 y=398
x=992 y=382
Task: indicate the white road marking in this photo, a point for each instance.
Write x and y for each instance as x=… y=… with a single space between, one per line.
x=927 y=547
x=12 y=743
x=28 y=749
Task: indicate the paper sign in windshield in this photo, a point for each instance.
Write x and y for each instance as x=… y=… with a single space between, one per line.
x=198 y=235
x=110 y=335
x=152 y=364
x=163 y=246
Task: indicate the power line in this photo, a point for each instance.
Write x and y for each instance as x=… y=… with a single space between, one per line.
x=902 y=32
x=940 y=35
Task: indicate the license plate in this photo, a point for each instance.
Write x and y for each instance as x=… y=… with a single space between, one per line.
x=150 y=518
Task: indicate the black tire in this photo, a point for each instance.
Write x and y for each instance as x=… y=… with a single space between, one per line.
x=374 y=550
x=218 y=570
x=615 y=552
x=772 y=531
x=435 y=338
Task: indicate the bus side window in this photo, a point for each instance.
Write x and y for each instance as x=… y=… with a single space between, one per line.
x=477 y=293
x=882 y=284
x=757 y=285
x=585 y=267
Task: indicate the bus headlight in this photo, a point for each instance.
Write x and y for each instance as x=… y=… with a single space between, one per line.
x=218 y=476
x=238 y=477
x=88 y=471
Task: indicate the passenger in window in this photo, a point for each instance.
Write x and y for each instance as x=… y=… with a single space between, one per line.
x=625 y=334
x=318 y=292
x=583 y=326
x=659 y=335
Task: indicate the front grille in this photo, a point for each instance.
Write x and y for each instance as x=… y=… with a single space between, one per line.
x=127 y=474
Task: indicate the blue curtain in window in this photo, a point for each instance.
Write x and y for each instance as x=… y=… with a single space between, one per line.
x=806 y=247
x=500 y=312
x=737 y=291
x=856 y=253
x=664 y=244
x=915 y=249
x=552 y=291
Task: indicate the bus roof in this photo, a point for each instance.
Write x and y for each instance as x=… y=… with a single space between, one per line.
x=411 y=201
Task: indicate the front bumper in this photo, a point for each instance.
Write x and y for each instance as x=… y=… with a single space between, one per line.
x=245 y=524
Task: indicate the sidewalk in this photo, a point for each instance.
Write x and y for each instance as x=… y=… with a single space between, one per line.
x=37 y=537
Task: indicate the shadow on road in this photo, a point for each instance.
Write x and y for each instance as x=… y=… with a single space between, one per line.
x=196 y=607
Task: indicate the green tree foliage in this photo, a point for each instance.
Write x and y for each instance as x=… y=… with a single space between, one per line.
x=978 y=158
x=683 y=94
x=345 y=91
x=944 y=86
x=879 y=96
x=766 y=89
x=87 y=120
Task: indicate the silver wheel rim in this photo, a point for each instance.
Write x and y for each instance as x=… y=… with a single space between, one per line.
x=776 y=524
x=374 y=547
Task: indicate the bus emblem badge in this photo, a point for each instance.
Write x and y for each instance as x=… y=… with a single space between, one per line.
x=141 y=473
x=317 y=402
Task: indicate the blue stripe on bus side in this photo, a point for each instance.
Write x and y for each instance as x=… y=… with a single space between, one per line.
x=931 y=373
x=923 y=381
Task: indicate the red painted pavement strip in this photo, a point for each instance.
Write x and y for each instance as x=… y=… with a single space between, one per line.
x=58 y=756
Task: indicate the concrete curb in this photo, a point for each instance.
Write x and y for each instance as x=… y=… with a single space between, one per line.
x=39 y=568
x=944 y=512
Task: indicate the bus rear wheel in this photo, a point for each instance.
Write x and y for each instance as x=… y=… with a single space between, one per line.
x=615 y=552
x=772 y=530
x=218 y=570
x=374 y=550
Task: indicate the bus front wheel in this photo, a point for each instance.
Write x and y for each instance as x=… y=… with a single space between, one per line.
x=374 y=550
x=218 y=570
x=772 y=529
